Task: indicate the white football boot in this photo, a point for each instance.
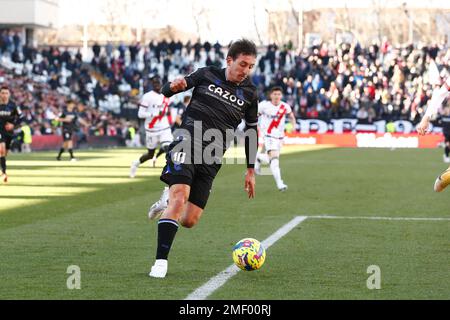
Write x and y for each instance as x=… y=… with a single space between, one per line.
x=446 y=159
x=159 y=269
x=157 y=209
x=282 y=187
x=134 y=165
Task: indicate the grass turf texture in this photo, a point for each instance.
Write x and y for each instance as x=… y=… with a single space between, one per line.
x=89 y=213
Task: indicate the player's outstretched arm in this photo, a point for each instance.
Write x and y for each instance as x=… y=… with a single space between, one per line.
x=251 y=147
x=174 y=87
x=437 y=98
x=145 y=112
x=183 y=84
x=65 y=119
x=292 y=120
x=83 y=122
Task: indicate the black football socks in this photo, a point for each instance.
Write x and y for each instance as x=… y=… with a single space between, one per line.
x=61 y=151
x=147 y=156
x=167 y=229
x=162 y=150
x=3 y=164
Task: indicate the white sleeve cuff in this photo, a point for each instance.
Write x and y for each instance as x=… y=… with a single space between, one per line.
x=251 y=124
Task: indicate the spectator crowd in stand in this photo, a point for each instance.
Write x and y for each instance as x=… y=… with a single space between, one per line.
x=325 y=81
x=378 y=82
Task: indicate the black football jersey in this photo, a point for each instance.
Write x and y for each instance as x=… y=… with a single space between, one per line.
x=444 y=121
x=218 y=103
x=9 y=113
x=69 y=126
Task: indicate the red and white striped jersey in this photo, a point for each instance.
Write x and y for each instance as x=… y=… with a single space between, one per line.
x=273 y=118
x=154 y=108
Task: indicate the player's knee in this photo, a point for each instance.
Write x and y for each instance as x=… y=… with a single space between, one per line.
x=177 y=204
x=178 y=200
x=188 y=223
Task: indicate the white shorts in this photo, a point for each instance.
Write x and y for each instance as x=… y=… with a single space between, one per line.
x=153 y=139
x=272 y=144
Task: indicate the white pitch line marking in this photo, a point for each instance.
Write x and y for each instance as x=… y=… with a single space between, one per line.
x=220 y=279
x=379 y=218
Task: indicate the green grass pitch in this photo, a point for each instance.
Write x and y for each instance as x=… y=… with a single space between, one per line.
x=90 y=214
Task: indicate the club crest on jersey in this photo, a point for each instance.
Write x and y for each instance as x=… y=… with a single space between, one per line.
x=225 y=94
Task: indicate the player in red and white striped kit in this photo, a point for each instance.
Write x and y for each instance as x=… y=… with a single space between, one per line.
x=272 y=115
x=438 y=97
x=154 y=108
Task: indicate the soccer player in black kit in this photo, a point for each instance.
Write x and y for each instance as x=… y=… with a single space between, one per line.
x=10 y=116
x=69 y=119
x=220 y=100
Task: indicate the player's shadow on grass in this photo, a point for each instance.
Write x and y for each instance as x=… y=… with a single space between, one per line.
x=56 y=206
x=78 y=176
x=106 y=167
x=62 y=185
x=38 y=157
x=126 y=167
x=27 y=197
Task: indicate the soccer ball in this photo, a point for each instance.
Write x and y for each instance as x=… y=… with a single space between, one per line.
x=249 y=254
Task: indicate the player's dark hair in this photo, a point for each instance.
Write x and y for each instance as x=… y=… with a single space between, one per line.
x=4 y=88
x=276 y=88
x=155 y=78
x=242 y=46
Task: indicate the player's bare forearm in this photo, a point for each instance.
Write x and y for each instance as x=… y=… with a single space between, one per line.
x=84 y=123
x=64 y=119
x=143 y=113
